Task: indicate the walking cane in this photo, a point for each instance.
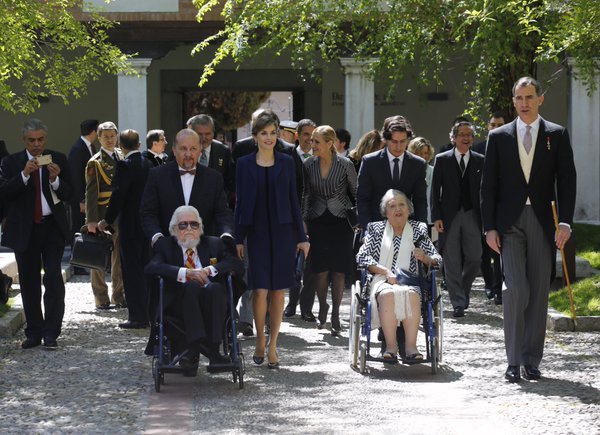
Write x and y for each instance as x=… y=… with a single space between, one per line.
x=566 y=272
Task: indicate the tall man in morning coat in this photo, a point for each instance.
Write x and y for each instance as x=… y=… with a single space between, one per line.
x=34 y=183
x=455 y=213
x=391 y=168
x=528 y=164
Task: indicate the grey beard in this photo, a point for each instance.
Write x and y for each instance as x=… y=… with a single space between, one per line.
x=188 y=243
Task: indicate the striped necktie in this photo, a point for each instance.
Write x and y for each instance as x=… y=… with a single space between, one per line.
x=189 y=261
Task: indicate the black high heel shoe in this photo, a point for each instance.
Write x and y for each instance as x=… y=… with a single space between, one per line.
x=336 y=328
x=274 y=365
x=322 y=316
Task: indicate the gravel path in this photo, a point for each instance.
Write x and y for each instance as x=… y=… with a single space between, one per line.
x=99 y=381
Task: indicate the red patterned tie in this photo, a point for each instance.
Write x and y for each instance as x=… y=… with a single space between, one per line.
x=37 y=207
x=189 y=261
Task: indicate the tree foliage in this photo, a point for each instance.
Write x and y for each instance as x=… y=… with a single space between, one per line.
x=46 y=51
x=496 y=41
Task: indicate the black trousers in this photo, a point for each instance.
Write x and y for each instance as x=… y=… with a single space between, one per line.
x=204 y=310
x=45 y=249
x=134 y=256
x=304 y=291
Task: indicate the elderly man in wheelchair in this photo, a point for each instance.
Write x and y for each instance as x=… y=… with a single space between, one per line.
x=194 y=268
x=390 y=253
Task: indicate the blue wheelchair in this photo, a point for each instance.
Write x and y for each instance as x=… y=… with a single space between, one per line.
x=169 y=329
x=431 y=315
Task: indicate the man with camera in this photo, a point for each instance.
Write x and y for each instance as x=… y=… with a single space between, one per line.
x=34 y=184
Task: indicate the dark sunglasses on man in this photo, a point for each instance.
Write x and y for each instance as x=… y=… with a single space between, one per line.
x=192 y=224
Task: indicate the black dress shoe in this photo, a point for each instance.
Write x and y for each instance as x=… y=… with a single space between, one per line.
x=309 y=317
x=289 y=311
x=105 y=306
x=132 y=324
x=216 y=359
x=246 y=329
x=489 y=293
x=531 y=373
x=512 y=374
x=498 y=299
x=50 y=342
x=189 y=366
x=459 y=312
x=28 y=343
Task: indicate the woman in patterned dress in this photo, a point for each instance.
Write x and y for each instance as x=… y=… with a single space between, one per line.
x=391 y=249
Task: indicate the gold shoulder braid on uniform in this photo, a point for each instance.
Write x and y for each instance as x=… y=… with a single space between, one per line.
x=103 y=197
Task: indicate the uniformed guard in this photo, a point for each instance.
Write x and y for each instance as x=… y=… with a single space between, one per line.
x=99 y=173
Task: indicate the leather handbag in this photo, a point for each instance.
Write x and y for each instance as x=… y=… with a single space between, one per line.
x=299 y=267
x=93 y=251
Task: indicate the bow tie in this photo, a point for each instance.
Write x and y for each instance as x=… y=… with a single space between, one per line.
x=191 y=171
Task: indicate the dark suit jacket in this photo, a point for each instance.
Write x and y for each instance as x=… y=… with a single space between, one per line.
x=286 y=204
x=163 y=194
x=3 y=151
x=220 y=160
x=78 y=158
x=479 y=147
x=446 y=186
x=246 y=146
x=19 y=198
x=128 y=188
x=504 y=190
x=375 y=178
x=152 y=158
x=168 y=259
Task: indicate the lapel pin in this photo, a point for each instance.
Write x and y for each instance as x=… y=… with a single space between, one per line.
x=548 y=145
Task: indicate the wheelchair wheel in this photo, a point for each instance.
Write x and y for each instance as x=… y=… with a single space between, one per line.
x=434 y=354
x=363 y=358
x=354 y=332
x=438 y=314
x=156 y=374
x=240 y=369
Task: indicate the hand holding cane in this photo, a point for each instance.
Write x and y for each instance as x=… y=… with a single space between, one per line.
x=565 y=271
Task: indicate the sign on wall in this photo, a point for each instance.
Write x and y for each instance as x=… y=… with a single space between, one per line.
x=133 y=5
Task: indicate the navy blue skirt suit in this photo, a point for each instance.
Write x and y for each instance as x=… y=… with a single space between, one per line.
x=267 y=214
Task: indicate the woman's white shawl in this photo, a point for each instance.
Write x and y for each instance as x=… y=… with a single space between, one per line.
x=386 y=258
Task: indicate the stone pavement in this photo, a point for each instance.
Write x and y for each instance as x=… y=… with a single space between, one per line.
x=99 y=381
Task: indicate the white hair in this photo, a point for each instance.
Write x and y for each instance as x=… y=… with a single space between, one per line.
x=182 y=210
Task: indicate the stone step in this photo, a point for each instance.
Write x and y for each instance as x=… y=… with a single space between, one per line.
x=582 y=267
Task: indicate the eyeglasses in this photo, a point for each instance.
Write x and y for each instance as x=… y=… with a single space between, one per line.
x=192 y=224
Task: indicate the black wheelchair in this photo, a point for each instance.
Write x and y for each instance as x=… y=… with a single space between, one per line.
x=431 y=315
x=168 y=336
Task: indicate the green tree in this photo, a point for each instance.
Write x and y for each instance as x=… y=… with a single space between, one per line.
x=46 y=51
x=497 y=41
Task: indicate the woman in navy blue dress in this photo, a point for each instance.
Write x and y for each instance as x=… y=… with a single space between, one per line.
x=267 y=214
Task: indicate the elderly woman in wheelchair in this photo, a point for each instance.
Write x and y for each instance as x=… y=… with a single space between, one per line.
x=390 y=253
